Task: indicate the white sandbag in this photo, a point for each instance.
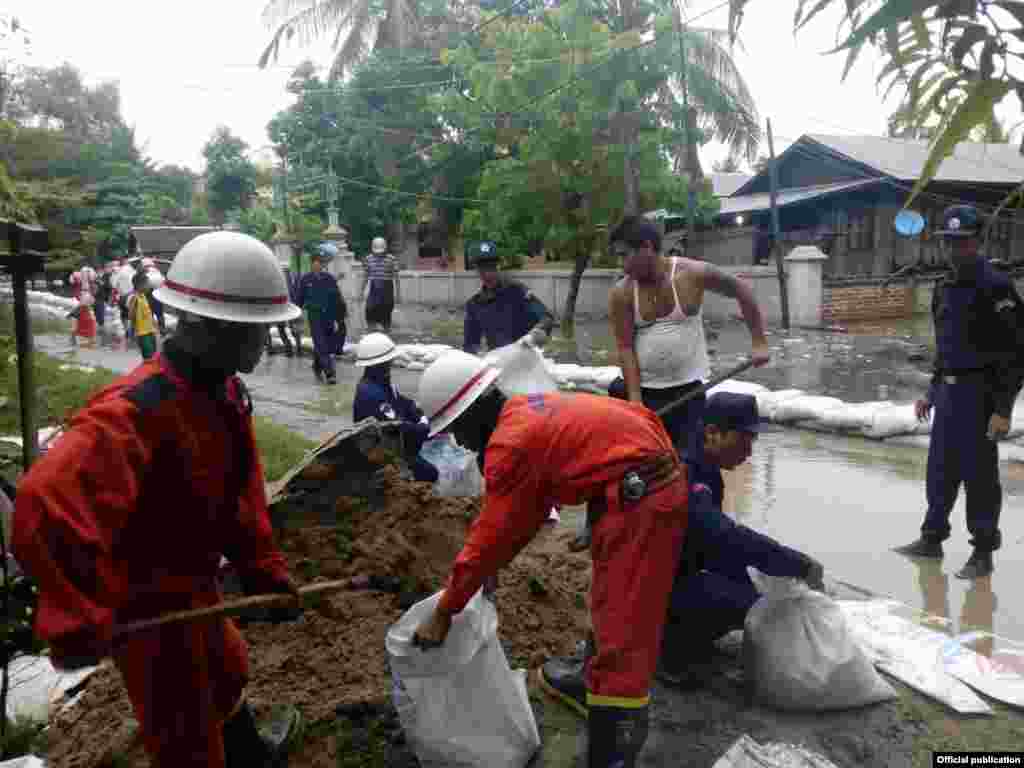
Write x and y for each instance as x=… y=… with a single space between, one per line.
x=767 y=401
x=853 y=416
x=26 y=761
x=461 y=705
x=734 y=386
x=801 y=655
x=894 y=420
x=604 y=376
x=804 y=407
x=36 y=687
x=747 y=753
x=522 y=370
x=458 y=473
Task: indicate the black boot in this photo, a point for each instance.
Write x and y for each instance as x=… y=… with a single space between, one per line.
x=246 y=747
x=562 y=678
x=615 y=736
x=978 y=565
x=926 y=546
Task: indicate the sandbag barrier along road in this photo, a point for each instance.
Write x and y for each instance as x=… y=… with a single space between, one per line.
x=877 y=420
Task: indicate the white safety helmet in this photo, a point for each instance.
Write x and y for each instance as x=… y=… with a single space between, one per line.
x=379 y=245
x=451 y=384
x=228 y=276
x=375 y=349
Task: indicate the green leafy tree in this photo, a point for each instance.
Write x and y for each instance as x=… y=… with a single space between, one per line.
x=954 y=60
x=556 y=174
x=230 y=175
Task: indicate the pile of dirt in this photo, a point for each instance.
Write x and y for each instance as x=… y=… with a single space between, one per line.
x=333 y=656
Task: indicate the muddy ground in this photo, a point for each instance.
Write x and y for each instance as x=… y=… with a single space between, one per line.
x=332 y=663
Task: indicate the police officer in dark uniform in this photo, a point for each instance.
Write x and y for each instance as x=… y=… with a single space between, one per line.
x=503 y=311
x=318 y=294
x=378 y=398
x=712 y=593
x=977 y=376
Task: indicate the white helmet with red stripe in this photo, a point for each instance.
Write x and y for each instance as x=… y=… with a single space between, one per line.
x=451 y=384
x=228 y=276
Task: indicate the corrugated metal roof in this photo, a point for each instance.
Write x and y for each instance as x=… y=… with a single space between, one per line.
x=724 y=184
x=762 y=201
x=157 y=240
x=904 y=158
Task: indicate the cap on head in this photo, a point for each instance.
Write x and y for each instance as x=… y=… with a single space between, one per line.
x=451 y=384
x=379 y=245
x=375 y=349
x=484 y=254
x=731 y=411
x=228 y=276
x=960 y=221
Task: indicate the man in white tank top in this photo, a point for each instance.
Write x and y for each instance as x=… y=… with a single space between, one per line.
x=656 y=316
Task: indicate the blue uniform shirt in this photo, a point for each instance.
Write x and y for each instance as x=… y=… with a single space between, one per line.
x=714 y=542
x=976 y=329
x=503 y=316
x=377 y=398
x=318 y=294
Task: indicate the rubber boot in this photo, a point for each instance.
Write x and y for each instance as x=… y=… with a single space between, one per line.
x=615 y=736
x=926 y=546
x=563 y=677
x=246 y=747
x=978 y=565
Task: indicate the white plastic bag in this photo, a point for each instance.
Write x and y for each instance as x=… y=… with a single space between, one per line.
x=804 y=408
x=800 y=653
x=747 y=753
x=460 y=705
x=457 y=470
x=852 y=415
x=522 y=370
x=36 y=687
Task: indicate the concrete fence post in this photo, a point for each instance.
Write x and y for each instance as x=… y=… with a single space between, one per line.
x=805 y=266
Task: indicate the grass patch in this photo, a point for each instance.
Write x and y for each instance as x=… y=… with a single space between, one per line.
x=943 y=729
x=23 y=737
x=280 y=448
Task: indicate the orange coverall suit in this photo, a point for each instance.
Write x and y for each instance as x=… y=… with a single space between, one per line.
x=568 y=449
x=126 y=518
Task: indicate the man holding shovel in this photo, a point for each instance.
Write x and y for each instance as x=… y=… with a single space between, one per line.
x=551 y=448
x=128 y=514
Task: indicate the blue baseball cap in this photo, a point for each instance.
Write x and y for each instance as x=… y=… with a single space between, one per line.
x=730 y=411
x=960 y=221
x=484 y=252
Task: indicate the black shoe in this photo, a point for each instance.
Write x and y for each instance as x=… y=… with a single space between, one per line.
x=271 y=351
x=562 y=678
x=926 y=546
x=978 y=565
x=265 y=746
x=331 y=380
x=288 y=352
x=685 y=677
x=319 y=375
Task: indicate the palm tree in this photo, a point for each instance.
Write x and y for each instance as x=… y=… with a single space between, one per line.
x=716 y=99
x=357 y=25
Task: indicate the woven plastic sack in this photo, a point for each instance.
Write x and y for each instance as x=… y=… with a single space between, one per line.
x=460 y=704
x=522 y=370
x=800 y=654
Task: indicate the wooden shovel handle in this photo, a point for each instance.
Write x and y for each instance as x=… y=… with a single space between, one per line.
x=229 y=608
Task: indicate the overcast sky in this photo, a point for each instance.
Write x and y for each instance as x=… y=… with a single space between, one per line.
x=187 y=66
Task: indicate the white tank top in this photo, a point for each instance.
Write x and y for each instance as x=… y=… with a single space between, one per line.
x=671 y=350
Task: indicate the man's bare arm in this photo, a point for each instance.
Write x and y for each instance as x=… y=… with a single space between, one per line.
x=620 y=315
x=724 y=284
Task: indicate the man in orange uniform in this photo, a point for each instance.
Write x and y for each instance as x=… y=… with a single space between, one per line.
x=128 y=514
x=543 y=450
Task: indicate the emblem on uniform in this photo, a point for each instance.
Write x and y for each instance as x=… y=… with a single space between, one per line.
x=485 y=248
x=388 y=411
x=954 y=223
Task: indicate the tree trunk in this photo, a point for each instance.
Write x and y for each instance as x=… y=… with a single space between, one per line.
x=582 y=261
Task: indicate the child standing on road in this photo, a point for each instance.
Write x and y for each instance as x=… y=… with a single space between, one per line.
x=141 y=317
x=85 y=324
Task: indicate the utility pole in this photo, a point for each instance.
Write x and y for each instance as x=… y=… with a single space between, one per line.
x=773 y=174
x=690 y=176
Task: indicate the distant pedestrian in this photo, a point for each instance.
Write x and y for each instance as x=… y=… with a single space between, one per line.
x=141 y=317
x=154 y=279
x=381 y=286
x=320 y=297
x=102 y=295
x=977 y=376
x=282 y=328
x=122 y=278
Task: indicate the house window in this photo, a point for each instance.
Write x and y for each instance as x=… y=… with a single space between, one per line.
x=861 y=230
